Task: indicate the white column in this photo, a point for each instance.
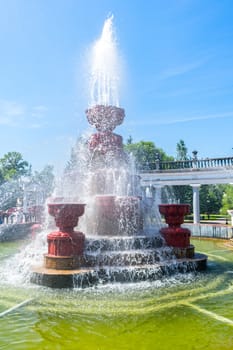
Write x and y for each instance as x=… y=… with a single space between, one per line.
x=148 y=192
x=196 y=203
x=143 y=191
x=230 y=212
x=158 y=194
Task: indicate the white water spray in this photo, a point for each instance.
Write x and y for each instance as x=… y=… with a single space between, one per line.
x=105 y=68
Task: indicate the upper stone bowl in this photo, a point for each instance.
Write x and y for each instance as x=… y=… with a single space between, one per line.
x=105 y=118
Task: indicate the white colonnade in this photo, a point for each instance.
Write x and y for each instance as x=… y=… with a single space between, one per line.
x=155 y=192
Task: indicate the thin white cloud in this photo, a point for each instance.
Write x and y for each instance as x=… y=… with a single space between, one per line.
x=200 y=117
x=10 y=112
x=161 y=120
x=14 y=114
x=182 y=69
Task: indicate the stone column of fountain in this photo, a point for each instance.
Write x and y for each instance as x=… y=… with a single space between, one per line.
x=115 y=215
x=175 y=235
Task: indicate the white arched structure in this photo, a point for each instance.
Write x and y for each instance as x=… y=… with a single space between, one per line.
x=194 y=177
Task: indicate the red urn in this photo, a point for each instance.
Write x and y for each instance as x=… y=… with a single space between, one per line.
x=66 y=241
x=105 y=118
x=175 y=235
x=105 y=141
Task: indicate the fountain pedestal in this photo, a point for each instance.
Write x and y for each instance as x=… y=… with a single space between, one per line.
x=66 y=246
x=117 y=215
x=175 y=235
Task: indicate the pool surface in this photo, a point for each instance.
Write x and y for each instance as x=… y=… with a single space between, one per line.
x=186 y=311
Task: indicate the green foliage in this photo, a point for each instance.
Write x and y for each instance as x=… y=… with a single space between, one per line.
x=211 y=198
x=227 y=199
x=129 y=140
x=178 y=194
x=44 y=179
x=181 y=151
x=12 y=166
x=184 y=194
x=39 y=185
x=79 y=156
x=146 y=153
x=9 y=193
x=72 y=163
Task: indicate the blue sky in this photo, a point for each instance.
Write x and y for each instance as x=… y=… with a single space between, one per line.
x=178 y=74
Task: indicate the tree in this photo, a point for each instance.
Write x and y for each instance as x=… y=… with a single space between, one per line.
x=227 y=199
x=40 y=185
x=72 y=162
x=178 y=194
x=10 y=192
x=146 y=153
x=12 y=166
x=79 y=156
x=211 y=198
x=181 y=151
x=44 y=179
x=129 y=141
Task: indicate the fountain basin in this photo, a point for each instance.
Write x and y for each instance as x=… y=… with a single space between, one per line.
x=66 y=215
x=117 y=259
x=88 y=277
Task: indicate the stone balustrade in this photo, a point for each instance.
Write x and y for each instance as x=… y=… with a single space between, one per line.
x=206 y=163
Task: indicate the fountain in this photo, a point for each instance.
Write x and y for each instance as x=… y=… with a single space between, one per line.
x=116 y=245
x=180 y=311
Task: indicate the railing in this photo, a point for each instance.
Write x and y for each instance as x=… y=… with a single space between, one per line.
x=210 y=231
x=187 y=164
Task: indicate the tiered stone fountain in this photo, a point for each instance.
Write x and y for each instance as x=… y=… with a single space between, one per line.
x=116 y=246
x=120 y=250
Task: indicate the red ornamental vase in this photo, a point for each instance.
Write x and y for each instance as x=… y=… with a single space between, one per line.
x=175 y=235
x=174 y=213
x=66 y=241
x=105 y=118
x=63 y=244
x=105 y=141
x=66 y=215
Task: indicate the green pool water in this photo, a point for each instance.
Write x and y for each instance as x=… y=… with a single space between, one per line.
x=193 y=311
